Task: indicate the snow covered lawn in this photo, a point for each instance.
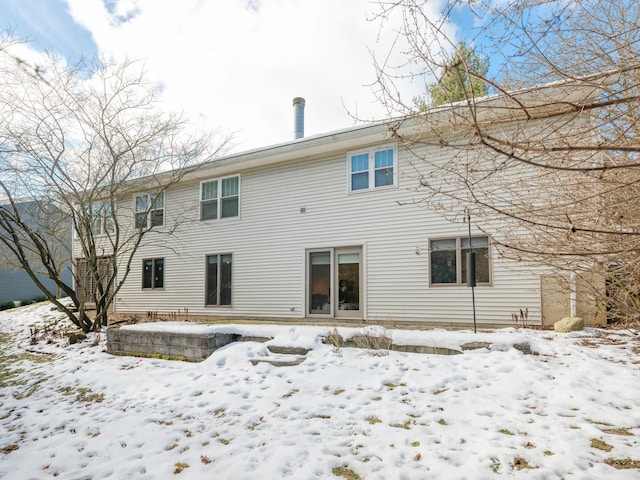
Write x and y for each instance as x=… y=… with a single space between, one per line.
x=76 y=412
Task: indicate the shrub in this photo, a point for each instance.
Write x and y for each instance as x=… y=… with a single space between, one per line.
x=374 y=338
x=334 y=338
x=7 y=305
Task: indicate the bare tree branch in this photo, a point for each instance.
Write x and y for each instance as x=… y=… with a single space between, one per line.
x=81 y=141
x=559 y=173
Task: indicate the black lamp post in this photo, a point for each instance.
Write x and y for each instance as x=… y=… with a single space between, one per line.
x=471 y=269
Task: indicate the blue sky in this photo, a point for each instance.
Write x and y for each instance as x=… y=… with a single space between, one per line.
x=48 y=25
x=232 y=64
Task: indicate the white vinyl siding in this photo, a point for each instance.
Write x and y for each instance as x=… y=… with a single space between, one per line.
x=293 y=208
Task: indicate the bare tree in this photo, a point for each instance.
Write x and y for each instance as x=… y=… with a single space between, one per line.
x=42 y=217
x=78 y=142
x=564 y=181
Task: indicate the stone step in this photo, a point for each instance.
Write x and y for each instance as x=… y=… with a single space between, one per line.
x=288 y=350
x=287 y=360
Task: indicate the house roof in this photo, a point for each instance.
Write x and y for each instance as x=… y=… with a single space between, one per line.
x=544 y=101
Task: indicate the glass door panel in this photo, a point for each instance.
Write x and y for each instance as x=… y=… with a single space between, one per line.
x=320 y=283
x=348 y=282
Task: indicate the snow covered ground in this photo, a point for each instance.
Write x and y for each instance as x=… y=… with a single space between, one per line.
x=76 y=412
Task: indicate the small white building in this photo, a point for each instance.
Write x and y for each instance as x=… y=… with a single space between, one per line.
x=321 y=228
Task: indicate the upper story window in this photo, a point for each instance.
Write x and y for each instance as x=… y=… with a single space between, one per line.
x=102 y=220
x=149 y=210
x=448 y=260
x=374 y=168
x=220 y=198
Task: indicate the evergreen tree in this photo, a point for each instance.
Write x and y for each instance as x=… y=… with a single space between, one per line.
x=462 y=78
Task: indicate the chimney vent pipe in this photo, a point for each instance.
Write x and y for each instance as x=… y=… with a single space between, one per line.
x=298 y=117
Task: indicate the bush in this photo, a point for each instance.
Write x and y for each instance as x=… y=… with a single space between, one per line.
x=7 y=305
x=374 y=338
x=11 y=304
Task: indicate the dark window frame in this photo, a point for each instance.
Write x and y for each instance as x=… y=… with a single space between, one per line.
x=223 y=278
x=154 y=281
x=455 y=257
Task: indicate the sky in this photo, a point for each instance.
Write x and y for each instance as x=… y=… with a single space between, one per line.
x=233 y=65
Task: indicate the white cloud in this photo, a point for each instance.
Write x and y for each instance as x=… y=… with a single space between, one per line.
x=238 y=64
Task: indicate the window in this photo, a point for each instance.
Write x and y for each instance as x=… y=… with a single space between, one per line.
x=372 y=169
x=102 y=218
x=153 y=273
x=448 y=260
x=149 y=210
x=220 y=198
x=218 y=282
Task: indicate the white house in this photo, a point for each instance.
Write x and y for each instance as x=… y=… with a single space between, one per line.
x=323 y=228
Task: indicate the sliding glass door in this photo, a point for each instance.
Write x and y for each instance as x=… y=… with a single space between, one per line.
x=320 y=283
x=335 y=282
x=348 y=282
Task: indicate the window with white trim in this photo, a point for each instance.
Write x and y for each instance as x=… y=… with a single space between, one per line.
x=220 y=198
x=102 y=218
x=373 y=169
x=218 y=281
x=149 y=210
x=153 y=273
x=448 y=260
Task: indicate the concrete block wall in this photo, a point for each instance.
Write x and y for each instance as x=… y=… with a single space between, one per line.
x=193 y=347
